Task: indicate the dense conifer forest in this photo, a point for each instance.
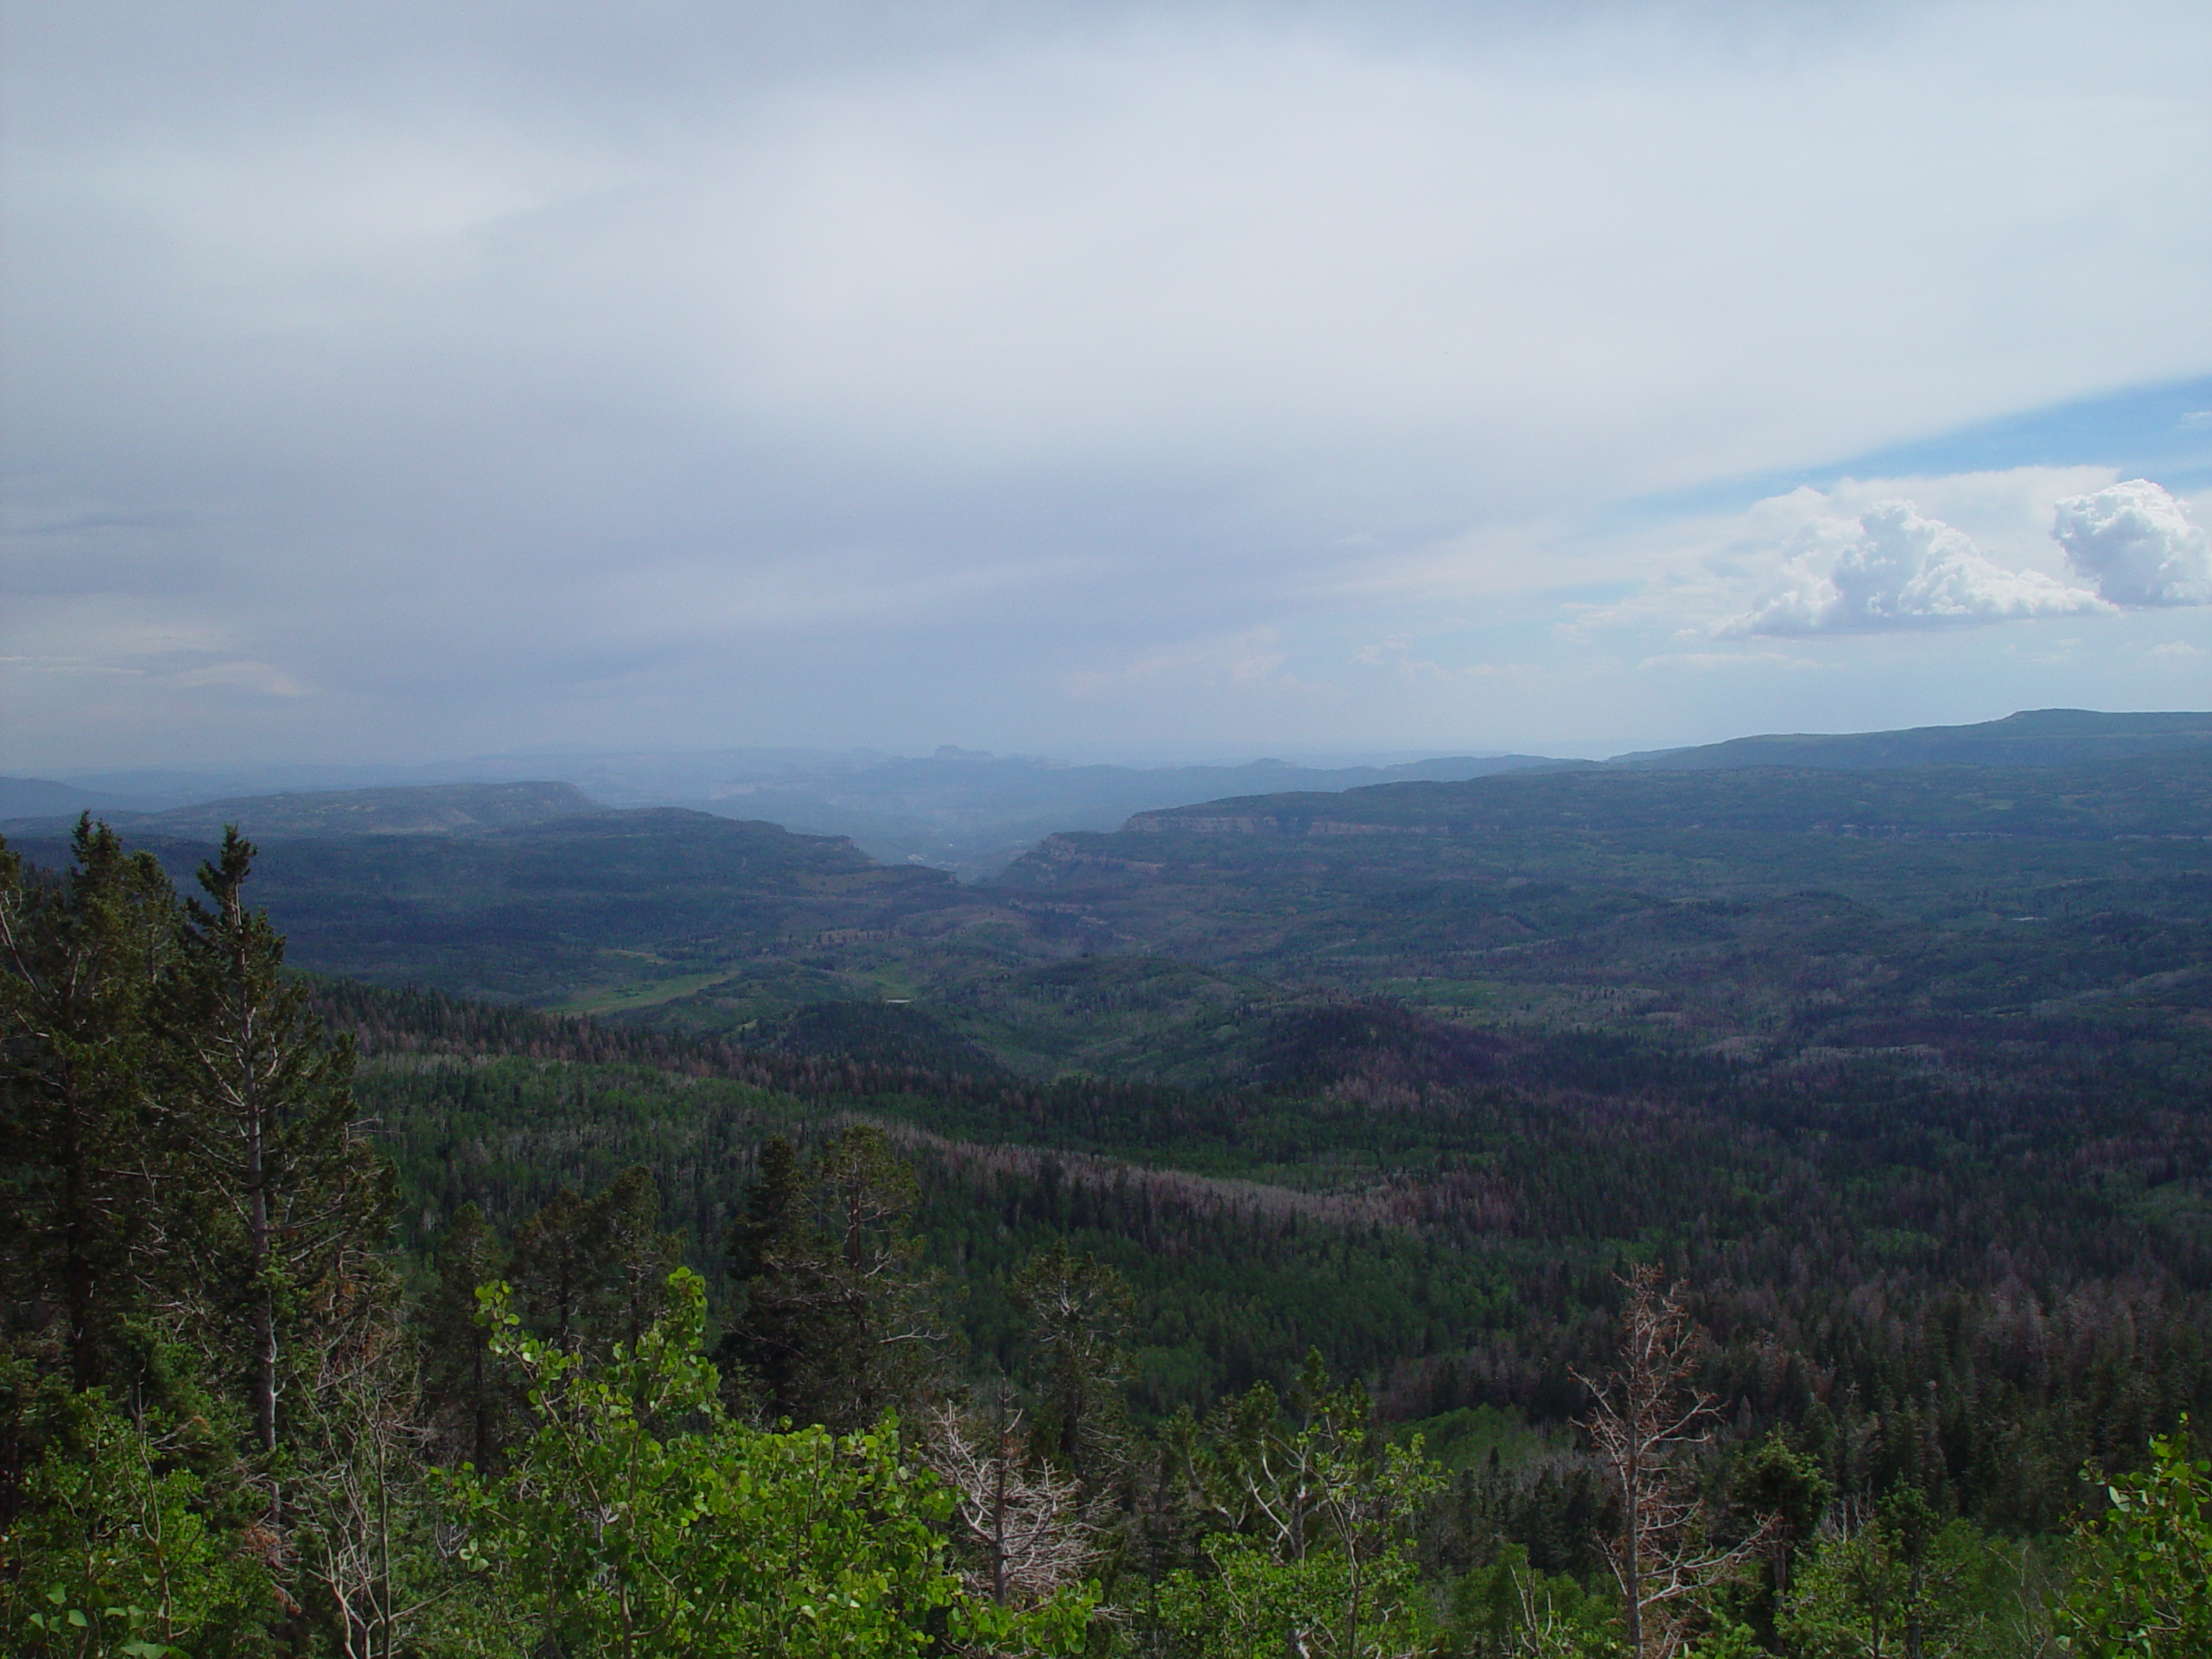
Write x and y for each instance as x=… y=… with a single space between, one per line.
x=1394 y=1286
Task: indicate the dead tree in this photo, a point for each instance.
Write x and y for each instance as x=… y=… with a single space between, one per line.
x=1647 y=1418
x=1020 y=1514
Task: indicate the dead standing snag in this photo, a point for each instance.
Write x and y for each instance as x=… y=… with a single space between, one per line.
x=1645 y=1414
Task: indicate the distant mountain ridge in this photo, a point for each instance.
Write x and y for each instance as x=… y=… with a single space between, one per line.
x=42 y=797
x=564 y=898
x=2157 y=792
x=2037 y=741
x=976 y=814
x=2038 y=737
x=959 y=809
x=423 y=809
x=1722 y=905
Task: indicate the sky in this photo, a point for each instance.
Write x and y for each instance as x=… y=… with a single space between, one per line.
x=399 y=382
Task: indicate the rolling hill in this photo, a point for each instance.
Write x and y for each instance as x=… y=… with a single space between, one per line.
x=1927 y=916
x=2039 y=737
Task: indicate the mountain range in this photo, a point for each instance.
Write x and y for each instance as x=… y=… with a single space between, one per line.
x=1900 y=1056
x=1762 y=909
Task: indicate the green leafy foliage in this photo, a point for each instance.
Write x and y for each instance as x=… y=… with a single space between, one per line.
x=1899 y=1582
x=2145 y=1578
x=1314 y=1511
x=839 y=1323
x=1252 y=1603
x=112 y=1553
x=639 y=1520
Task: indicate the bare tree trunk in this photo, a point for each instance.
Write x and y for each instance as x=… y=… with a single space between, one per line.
x=1645 y=1413
x=1022 y=1517
x=1632 y=1549
x=80 y=1282
x=265 y=1310
x=998 y=1507
x=252 y=1113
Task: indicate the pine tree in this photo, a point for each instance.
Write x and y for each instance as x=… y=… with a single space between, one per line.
x=465 y=1393
x=1789 y=1487
x=760 y=1354
x=83 y=958
x=840 y=1323
x=553 y=1268
x=1078 y=1309
x=632 y=1256
x=592 y=1272
x=281 y=1207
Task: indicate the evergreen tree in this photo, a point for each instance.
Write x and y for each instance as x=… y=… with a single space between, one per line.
x=197 y=1204
x=1787 y=1486
x=840 y=1322
x=281 y=1208
x=769 y=1245
x=84 y=956
x=467 y=1397
x=632 y=1256
x=1078 y=1310
x=592 y=1272
x=553 y=1268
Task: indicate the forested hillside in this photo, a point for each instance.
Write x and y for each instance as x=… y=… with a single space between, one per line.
x=1784 y=912
x=2034 y=737
x=1447 y=1217
x=1566 y=1214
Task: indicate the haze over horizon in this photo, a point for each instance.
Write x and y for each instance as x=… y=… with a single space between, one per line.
x=397 y=384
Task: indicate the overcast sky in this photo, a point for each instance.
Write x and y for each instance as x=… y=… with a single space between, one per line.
x=395 y=382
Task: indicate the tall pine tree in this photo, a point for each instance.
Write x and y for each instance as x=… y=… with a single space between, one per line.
x=469 y=1399
x=84 y=956
x=840 y=1323
x=286 y=1207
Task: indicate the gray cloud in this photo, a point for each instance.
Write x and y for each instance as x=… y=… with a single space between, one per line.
x=2136 y=542
x=384 y=376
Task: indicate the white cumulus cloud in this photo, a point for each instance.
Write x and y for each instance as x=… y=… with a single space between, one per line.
x=2136 y=542
x=1900 y=570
